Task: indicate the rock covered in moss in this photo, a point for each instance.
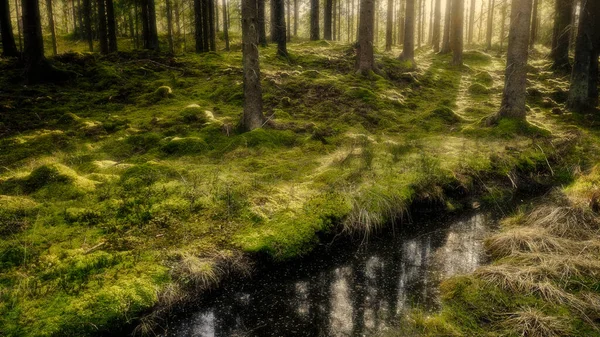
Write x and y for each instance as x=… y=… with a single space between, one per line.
x=163 y=91
x=69 y=119
x=184 y=146
x=484 y=77
x=445 y=114
x=478 y=89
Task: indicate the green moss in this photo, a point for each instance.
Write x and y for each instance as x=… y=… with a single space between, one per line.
x=184 y=146
x=146 y=174
x=269 y=138
x=484 y=78
x=478 y=89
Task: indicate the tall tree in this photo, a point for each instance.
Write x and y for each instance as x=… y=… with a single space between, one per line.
x=198 y=31
x=314 y=20
x=401 y=21
x=211 y=25
x=458 y=13
x=36 y=64
x=513 y=97
x=490 y=25
x=296 y=14
x=583 y=93
x=333 y=20
x=51 y=27
x=327 y=19
x=87 y=18
x=262 y=30
x=279 y=24
x=112 y=26
x=561 y=35
x=9 y=47
x=418 y=22
x=408 y=51
x=365 y=58
x=226 y=24
x=253 y=117
x=534 y=24
x=149 y=30
x=289 y=20
x=169 y=25
x=437 y=18
x=446 y=48
x=503 y=24
x=102 y=30
x=389 y=25
x=471 y=22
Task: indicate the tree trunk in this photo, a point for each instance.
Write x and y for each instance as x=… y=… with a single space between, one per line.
x=376 y=28
x=36 y=64
x=515 y=85
x=437 y=17
x=169 y=26
x=458 y=13
x=389 y=25
x=211 y=26
x=288 y=21
x=574 y=24
x=112 y=26
x=262 y=30
x=51 y=27
x=296 y=18
x=87 y=18
x=279 y=24
x=583 y=93
x=327 y=20
x=205 y=26
x=471 y=22
x=217 y=16
x=225 y=10
x=534 y=24
x=102 y=33
x=198 y=29
x=253 y=116
x=366 y=60
x=418 y=22
x=9 y=47
x=401 y=21
x=408 y=51
x=447 y=18
x=333 y=20
x=561 y=35
x=490 y=25
x=503 y=25
x=314 y=20
x=153 y=43
x=430 y=24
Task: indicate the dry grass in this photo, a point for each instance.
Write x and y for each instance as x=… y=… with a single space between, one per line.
x=527 y=239
x=565 y=221
x=372 y=211
x=531 y=322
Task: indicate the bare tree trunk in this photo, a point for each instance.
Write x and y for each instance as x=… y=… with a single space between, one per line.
x=170 y=26
x=9 y=47
x=561 y=35
x=574 y=24
x=333 y=20
x=152 y=25
x=458 y=13
x=401 y=21
x=217 y=16
x=583 y=93
x=87 y=11
x=112 y=26
x=198 y=26
x=471 y=22
x=447 y=19
x=388 y=25
x=430 y=24
x=437 y=17
x=226 y=24
x=490 y=25
x=408 y=51
x=534 y=24
x=481 y=13
x=296 y=14
x=289 y=21
x=366 y=60
x=51 y=26
x=102 y=34
x=253 y=117
x=339 y=20
x=36 y=64
x=314 y=20
x=327 y=20
x=262 y=30
x=503 y=25
x=418 y=22
x=513 y=97
x=211 y=26
x=279 y=25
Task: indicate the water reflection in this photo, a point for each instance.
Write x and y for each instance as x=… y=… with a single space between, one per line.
x=348 y=293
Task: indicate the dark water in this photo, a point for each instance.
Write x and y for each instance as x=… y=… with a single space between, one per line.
x=349 y=291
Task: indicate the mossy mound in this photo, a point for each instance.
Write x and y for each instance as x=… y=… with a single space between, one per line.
x=444 y=114
x=13 y=213
x=163 y=92
x=478 y=89
x=477 y=57
x=146 y=174
x=185 y=146
x=484 y=78
x=50 y=177
x=193 y=113
x=68 y=119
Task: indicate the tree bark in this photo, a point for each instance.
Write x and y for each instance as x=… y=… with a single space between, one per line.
x=418 y=23
x=9 y=47
x=401 y=21
x=389 y=25
x=471 y=22
x=36 y=64
x=225 y=10
x=211 y=26
x=169 y=26
x=87 y=18
x=198 y=31
x=583 y=93
x=279 y=27
x=153 y=43
x=296 y=14
x=366 y=60
x=534 y=24
x=437 y=17
x=503 y=25
x=112 y=26
x=515 y=85
x=490 y=25
x=253 y=116
x=408 y=51
x=288 y=20
x=327 y=20
x=561 y=35
x=102 y=33
x=51 y=27
x=447 y=19
x=458 y=13
x=262 y=30
x=314 y=20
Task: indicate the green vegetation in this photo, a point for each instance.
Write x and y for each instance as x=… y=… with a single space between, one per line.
x=131 y=186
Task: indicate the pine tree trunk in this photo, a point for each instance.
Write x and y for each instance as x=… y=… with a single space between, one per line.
x=205 y=26
x=437 y=17
x=217 y=29
x=408 y=51
x=198 y=33
x=152 y=26
x=418 y=23
x=447 y=19
x=583 y=93
x=225 y=10
x=333 y=20
x=401 y=21
x=170 y=26
x=327 y=20
x=503 y=25
x=561 y=35
x=87 y=17
x=388 y=25
x=490 y=25
x=9 y=47
x=515 y=85
x=296 y=14
x=36 y=64
x=366 y=60
x=279 y=27
x=51 y=27
x=314 y=20
x=430 y=24
x=534 y=24
x=212 y=43
x=262 y=30
x=458 y=13
x=288 y=20
x=112 y=26
x=471 y=22
x=102 y=33
x=253 y=117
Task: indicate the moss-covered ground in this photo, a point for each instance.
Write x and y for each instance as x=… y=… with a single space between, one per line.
x=129 y=185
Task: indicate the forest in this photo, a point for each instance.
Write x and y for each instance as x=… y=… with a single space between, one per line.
x=299 y=168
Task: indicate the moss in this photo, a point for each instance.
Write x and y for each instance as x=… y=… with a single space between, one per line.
x=163 y=92
x=184 y=146
x=445 y=114
x=269 y=138
x=484 y=78
x=478 y=89
x=193 y=113
x=146 y=174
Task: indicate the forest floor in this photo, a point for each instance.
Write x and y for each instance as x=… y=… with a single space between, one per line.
x=125 y=188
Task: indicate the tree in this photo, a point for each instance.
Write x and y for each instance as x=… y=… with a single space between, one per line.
x=408 y=51
x=534 y=24
x=112 y=26
x=490 y=25
x=314 y=20
x=262 y=30
x=102 y=30
x=447 y=19
x=365 y=59
x=36 y=65
x=87 y=18
x=513 y=97
x=226 y=25
x=149 y=31
x=211 y=25
x=561 y=35
x=327 y=19
x=279 y=27
x=437 y=17
x=471 y=22
x=169 y=25
x=51 y=27
x=296 y=14
x=389 y=25
x=458 y=13
x=503 y=24
x=583 y=93
x=253 y=117
x=9 y=47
